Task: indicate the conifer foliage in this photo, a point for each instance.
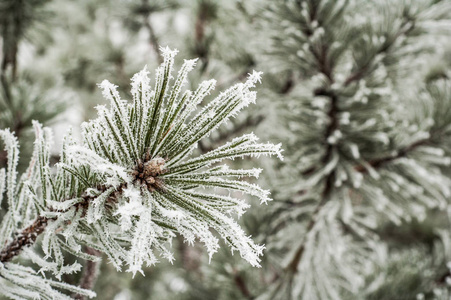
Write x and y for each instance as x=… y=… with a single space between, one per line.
x=130 y=186
x=364 y=154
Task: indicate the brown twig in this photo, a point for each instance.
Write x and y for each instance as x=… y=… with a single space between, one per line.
x=90 y=273
x=29 y=235
x=153 y=39
x=10 y=53
x=289 y=85
x=240 y=282
x=190 y=256
x=26 y=238
x=201 y=41
x=378 y=162
x=293 y=264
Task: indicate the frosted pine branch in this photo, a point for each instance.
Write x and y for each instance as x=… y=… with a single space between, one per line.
x=26 y=238
x=361 y=149
x=134 y=182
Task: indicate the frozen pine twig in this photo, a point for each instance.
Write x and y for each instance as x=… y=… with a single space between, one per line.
x=132 y=184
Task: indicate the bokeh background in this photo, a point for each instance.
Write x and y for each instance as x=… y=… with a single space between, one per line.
x=358 y=93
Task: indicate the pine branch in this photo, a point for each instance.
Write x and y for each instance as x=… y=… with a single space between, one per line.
x=29 y=235
x=328 y=185
x=356 y=76
x=373 y=55
x=90 y=273
x=240 y=282
x=289 y=85
x=25 y=238
x=293 y=264
x=359 y=74
x=202 y=47
x=376 y=163
x=137 y=181
x=379 y=162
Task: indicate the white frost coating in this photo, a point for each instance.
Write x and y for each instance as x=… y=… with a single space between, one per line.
x=167 y=53
x=109 y=90
x=135 y=181
x=132 y=193
x=2 y=184
x=255 y=77
x=96 y=209
x=12 y=148
x=82 y=155
x=140 y=80
x=355 y=151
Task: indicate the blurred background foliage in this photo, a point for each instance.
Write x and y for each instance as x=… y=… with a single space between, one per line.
x=398 y=55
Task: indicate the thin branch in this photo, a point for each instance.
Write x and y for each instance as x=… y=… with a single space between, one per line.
x=240 y=282
x=328 y=186
x=190 y=256
x=26 y=238
x=90 y=273
x=406 y=28
x=325 y=67
x=288 y=86
x=29 y=235
x=10 y=47
x=153 y=39
x=293 y=264
x=379 y=162
x=201 y=42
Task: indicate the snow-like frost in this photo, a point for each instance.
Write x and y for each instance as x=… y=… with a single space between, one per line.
x=133 y=183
